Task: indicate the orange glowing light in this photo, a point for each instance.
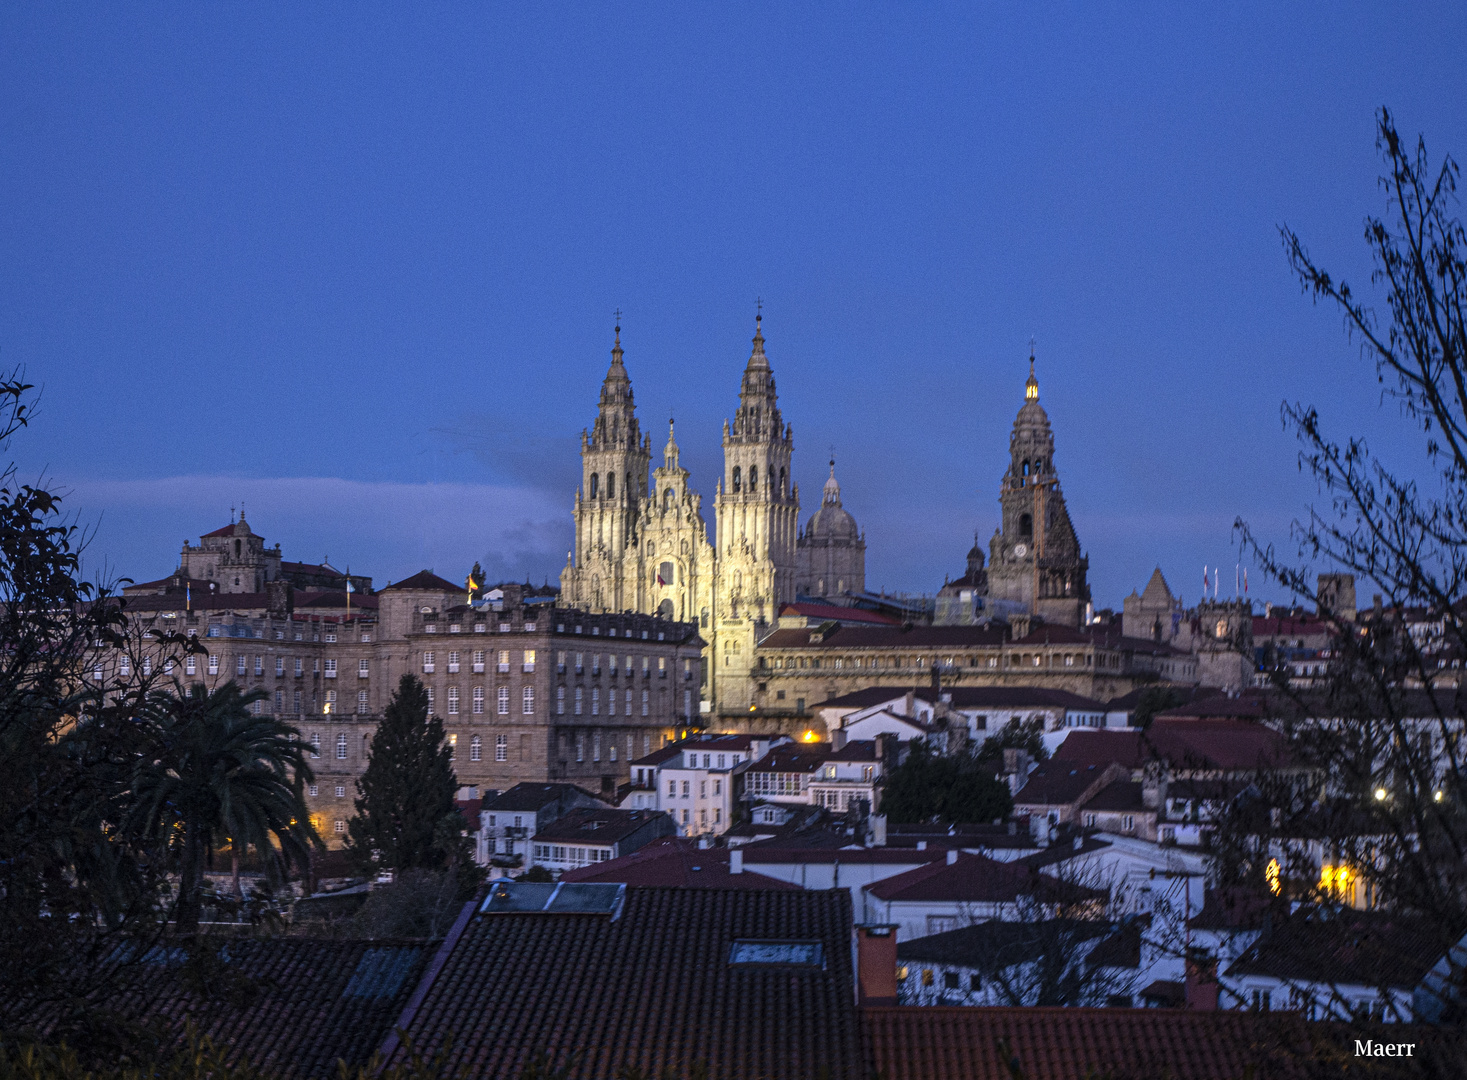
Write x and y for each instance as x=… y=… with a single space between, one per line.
x=808 y=736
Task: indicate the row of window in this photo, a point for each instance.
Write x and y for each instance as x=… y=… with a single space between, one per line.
x=688 y=787
x=215 y=630
x=430 y=661
x=578 y=701
x=476 y=700
x=577 y=856
x=242 y=666
x=476 y=747
x=578 y=743
x=775 y=783
x=792 y=663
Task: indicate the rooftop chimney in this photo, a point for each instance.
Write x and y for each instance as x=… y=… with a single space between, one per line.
x=876 y=965
x=952 y=856
x=736 y=861
x=1201 y=986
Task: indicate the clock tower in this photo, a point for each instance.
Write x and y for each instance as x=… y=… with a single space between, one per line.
x=1035 y=565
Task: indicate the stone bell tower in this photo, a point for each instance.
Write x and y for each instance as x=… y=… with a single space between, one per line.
x=1035 y=565
x=615 y=457
x=757 y=509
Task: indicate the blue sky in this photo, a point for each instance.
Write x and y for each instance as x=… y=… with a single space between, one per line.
x=355 y=265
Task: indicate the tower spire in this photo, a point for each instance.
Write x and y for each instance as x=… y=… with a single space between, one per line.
x=1031 y=387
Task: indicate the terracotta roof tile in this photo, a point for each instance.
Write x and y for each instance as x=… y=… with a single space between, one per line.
x=975 y=879
x=1349 y=947
x=306 y=1002
x=651 y=989
x=676 y=862
x=426 y=581
x=954 y=1043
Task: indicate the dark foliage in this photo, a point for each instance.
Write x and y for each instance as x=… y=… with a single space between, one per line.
x=949 y=788
x=406 y=817
x=1384 y=793
x=219 y=775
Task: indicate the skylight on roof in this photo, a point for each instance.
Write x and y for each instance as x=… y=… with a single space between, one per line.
x=784 y=953
x=567 y=897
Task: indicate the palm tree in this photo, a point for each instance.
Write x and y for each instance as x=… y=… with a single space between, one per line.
x=219 y=771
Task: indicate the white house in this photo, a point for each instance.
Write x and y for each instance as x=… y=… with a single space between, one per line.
x=964 y=889
x=509 y=819
x=696 y=781
x=588 y=836
x=1335 y=964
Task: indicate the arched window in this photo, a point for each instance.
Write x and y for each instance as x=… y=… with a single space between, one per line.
x=703 y=619
x=1026 y=468
x=236 y=549
x=738 y=479
x=667 y=499
x=629 y=485
x=753 y=479
x=611 y=485
x=782 y=488
x=1038 y=465
x=1026 y=526
x=595 y=485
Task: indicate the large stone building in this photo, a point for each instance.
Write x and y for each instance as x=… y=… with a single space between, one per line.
x=1035 y=565
x=528 y=689
x=641 y=548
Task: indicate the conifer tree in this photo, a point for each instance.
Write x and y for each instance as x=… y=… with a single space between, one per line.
x=406 y=817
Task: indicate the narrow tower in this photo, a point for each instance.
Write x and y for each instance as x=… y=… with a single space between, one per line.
x=757 y=511
x=1035 y=565
x=615 y=457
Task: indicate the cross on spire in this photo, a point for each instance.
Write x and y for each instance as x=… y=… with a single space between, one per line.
x=759 y=309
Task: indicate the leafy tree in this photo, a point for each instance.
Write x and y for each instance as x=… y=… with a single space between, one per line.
x=406 y=817
x=1152 y=700
x=1383 y=735
x=73 y=885
x=418 y=903
x=1026 y=735
x=950 y=788
x=220 y=773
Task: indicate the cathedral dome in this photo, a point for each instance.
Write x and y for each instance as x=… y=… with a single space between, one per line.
x=831 y=521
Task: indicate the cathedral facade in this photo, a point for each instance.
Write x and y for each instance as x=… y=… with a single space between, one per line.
x=643 y=544
x=646 y=547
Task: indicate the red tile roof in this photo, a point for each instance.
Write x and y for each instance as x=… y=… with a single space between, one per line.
x=888 y=637
x=317 y=1001
x=675 y=862
x=1201 y=744
x=651 y=989
x=1058 y=783
x=841 y=614
x=426 y=581
x=799 y=757
x=975 y=879
x=1349 y=947
x=1119 y=795
x=954 y=1043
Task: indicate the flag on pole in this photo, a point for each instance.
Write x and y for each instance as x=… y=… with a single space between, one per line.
x=188 y=596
